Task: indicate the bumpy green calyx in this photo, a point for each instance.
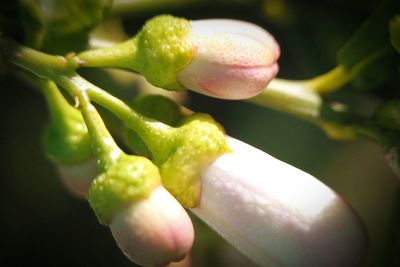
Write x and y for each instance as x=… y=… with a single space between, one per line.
x=197 y=143
x=67 y=141
x=159 y=52
x=163 y=50
x=130 y=179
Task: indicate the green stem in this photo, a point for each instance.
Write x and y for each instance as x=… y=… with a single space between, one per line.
x=330 y=81
x=340 y=76
x=150 y=131
x=291 y=97
x=58 y=106
x=64 y=76
x=41 y=64
x=105 y=149
x=123 y=55
x=296 y=98
x=303 y=98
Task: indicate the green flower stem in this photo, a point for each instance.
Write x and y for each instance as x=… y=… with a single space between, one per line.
x=291 y=97
x=298 y=99
x=332 y=80
x=303 y=98
x=105 y=149
x=64 y=75
x=340 y=76
x=43 y=65
x=152 y=132
x=58 y=106
x=123 y=55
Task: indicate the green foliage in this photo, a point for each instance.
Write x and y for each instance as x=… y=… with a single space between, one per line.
x=371 y=45
x=387 y=115
x=57 y=26
x=394 y=28
x=160 y=108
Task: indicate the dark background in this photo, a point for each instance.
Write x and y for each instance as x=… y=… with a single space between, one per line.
x=41 y=224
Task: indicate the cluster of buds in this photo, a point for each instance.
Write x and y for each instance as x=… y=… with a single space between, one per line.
x=274 y=213
x=147 y=222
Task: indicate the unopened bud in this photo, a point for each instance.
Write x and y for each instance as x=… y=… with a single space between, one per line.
x=78 y=177
x=276 y=214
x=233 y=59
x=148 y=224
x=154 y=231
x=66 y=142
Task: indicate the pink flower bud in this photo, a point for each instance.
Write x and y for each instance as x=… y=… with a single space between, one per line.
x=78 y=177
x=154 y=231
x=276 y=214
x=234 y=59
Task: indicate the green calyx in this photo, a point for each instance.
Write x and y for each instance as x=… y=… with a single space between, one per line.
x=163 y=50
x=197 y=142
x=130 y=179
x=159 y=52
x=66 y=139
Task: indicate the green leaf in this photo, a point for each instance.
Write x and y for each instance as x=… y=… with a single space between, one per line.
x=387 y=115
x=382 y=68
x=58 y=26
x=394 y=28
x=371 y=37
x=371 y=44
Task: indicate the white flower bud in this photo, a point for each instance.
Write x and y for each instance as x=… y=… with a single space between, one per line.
x=276 y=214
x=78 y=177
x=233 y=60
x=154 y=231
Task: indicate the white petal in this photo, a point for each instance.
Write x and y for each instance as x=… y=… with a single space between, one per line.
x=154 y=231
x=277 y=214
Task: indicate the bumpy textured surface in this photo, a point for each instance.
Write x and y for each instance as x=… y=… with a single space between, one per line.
x=163 y=48
x=130 y=179
x=67 y=141
x=198 y=142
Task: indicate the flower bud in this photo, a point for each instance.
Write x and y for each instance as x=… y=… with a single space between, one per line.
x=154 y=231
x=66 y=142
x=78 y=177
x=148 y=224
x=233 y=59
x=276 y=214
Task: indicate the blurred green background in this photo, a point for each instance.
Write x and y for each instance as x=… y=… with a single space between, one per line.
x=41 y=224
